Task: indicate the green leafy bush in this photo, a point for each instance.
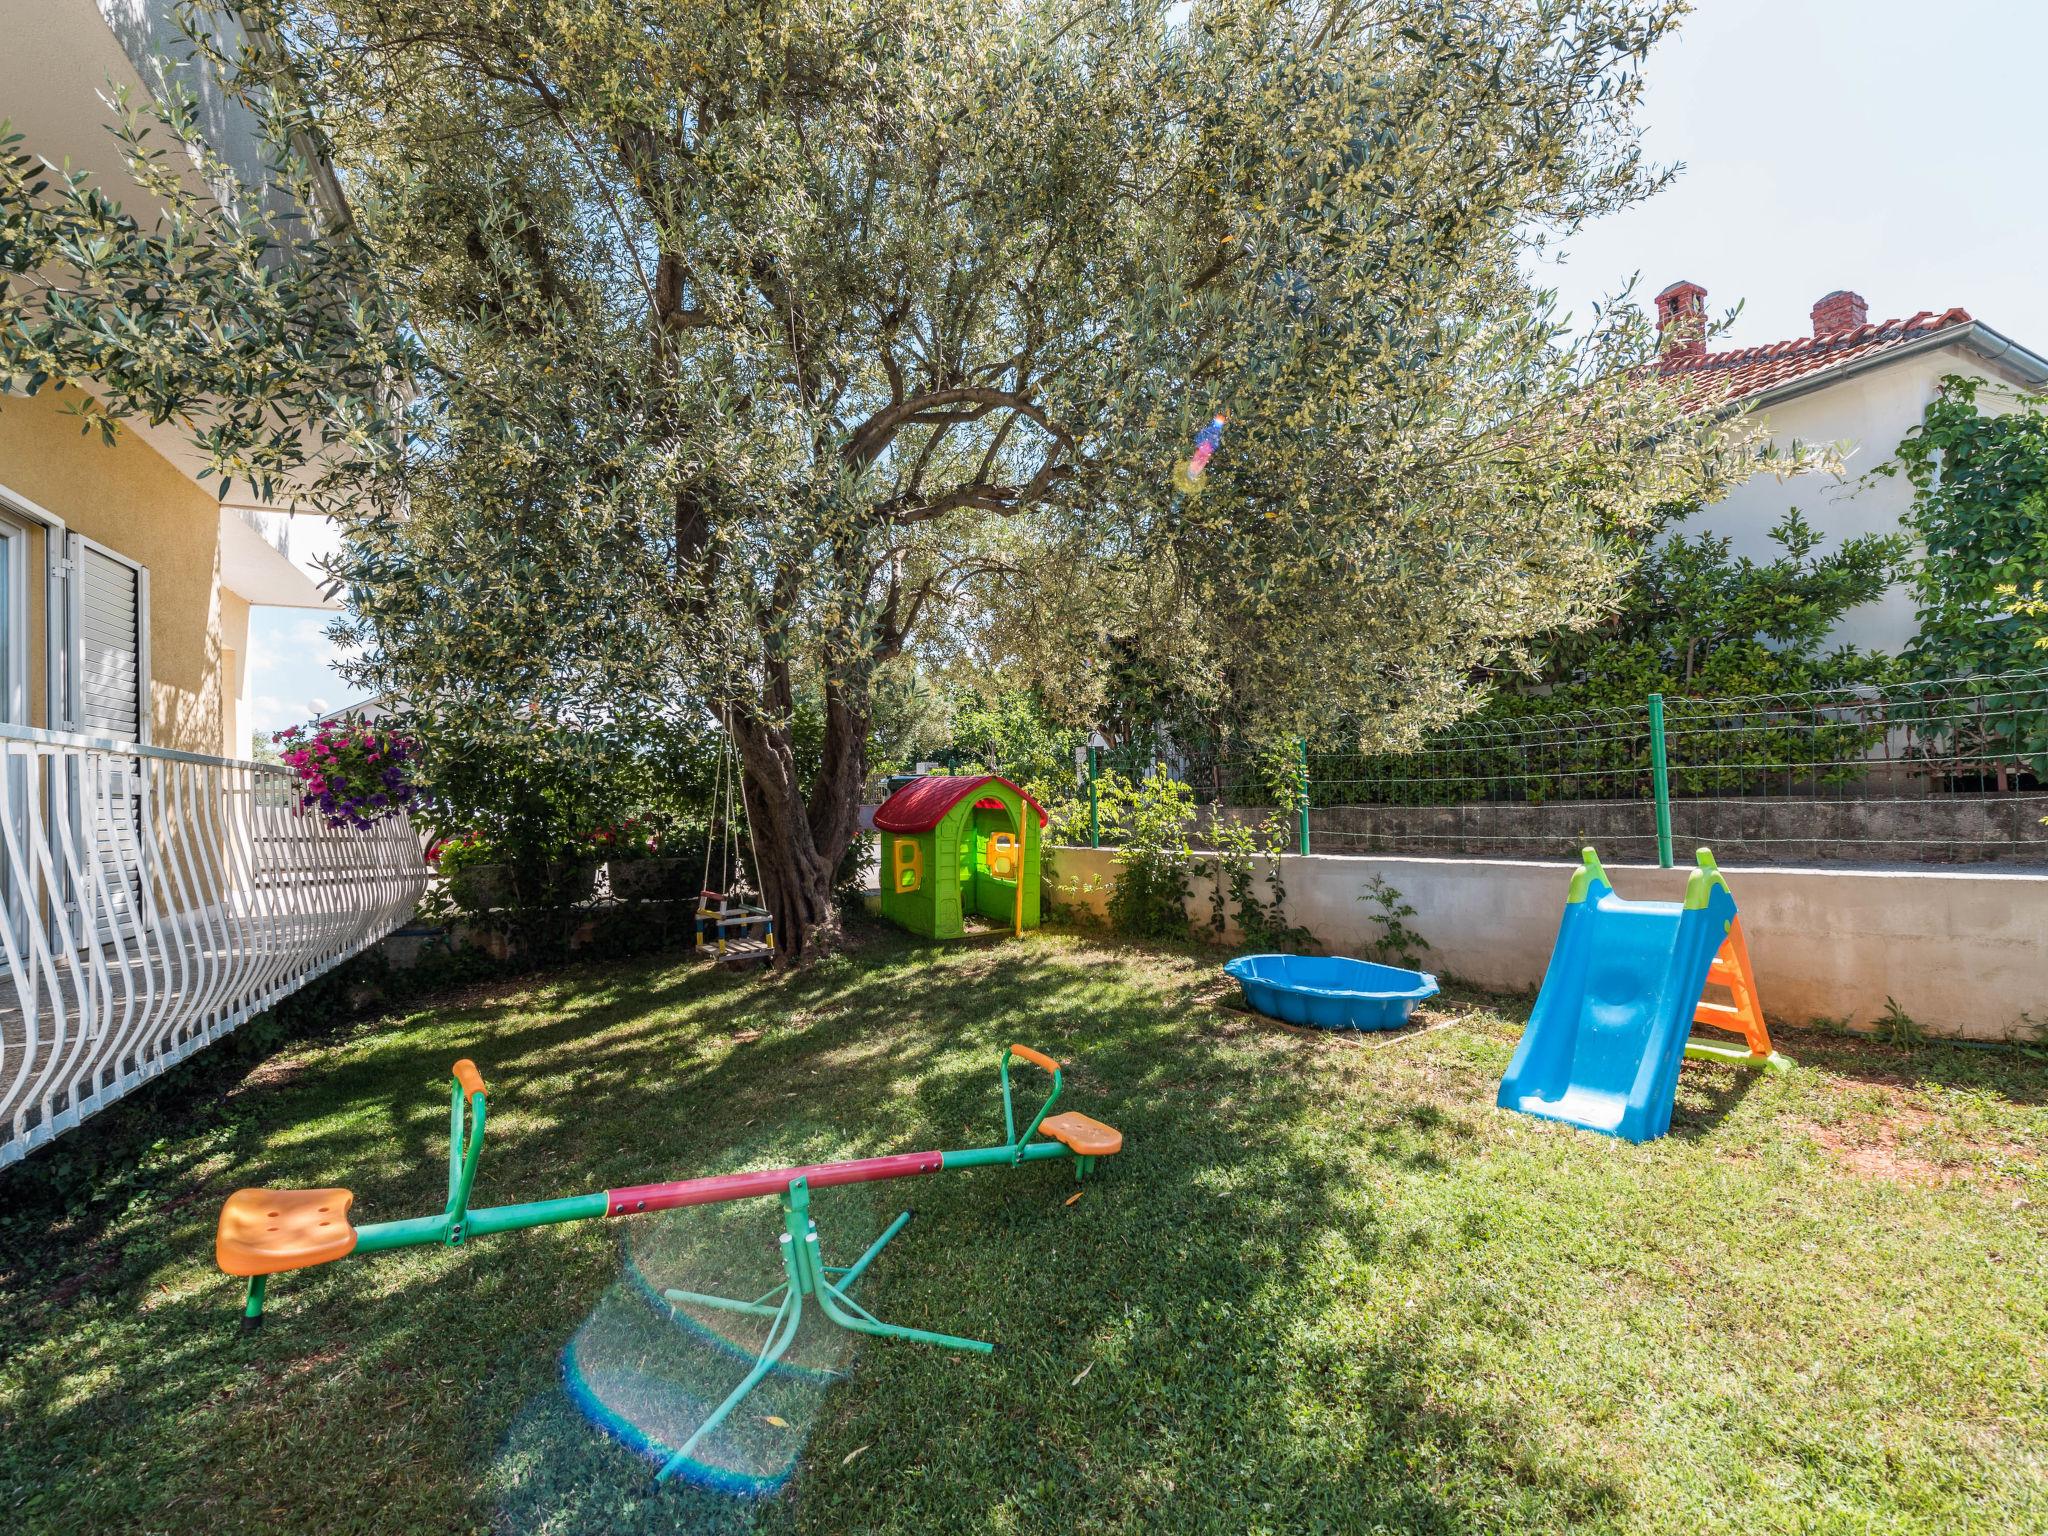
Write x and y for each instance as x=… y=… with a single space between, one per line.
x=1980 y=506
x=1241 y=847
x=1150 y=819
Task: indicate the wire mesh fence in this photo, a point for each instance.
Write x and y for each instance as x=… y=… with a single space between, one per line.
x=1954 y=771
x=1947 y=771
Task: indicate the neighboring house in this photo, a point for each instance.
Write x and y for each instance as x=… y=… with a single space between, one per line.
x=363 y=712
x=152 y=894
x=1852 y=383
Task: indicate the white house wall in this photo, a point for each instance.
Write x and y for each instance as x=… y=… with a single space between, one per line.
x=1868 y=414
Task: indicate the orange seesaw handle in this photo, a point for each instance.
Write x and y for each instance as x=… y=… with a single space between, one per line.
x=472 y=1080
x=1036 y=1058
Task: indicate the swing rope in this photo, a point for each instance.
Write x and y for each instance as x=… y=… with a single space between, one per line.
x=752 y=847
x=711 y=826
x=728 y=781
x=726 y=907
x=732 y=827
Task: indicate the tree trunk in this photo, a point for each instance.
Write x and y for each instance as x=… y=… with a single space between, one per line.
x=799 y=839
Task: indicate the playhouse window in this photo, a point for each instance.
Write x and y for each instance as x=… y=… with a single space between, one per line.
x=906 y=865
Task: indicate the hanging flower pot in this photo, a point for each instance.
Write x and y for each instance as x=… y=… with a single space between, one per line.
x=352 y=775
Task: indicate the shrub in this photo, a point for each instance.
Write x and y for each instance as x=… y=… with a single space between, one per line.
x=1398 y=943
x=1240 y=845
x=1151 y=820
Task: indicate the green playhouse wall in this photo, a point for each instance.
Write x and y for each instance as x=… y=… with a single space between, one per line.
x=956 y=877
x=929 y=910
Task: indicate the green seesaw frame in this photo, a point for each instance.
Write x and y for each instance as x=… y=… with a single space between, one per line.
x=268 y=1231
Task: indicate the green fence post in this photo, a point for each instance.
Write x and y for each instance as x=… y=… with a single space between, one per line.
x=1660 y=780
x=1094 y=814
x=1301 y=746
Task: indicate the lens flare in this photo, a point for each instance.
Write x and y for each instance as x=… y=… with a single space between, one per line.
x=1191 y=478
x=646 y=1371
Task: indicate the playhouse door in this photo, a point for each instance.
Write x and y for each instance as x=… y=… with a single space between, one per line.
x=997 y=859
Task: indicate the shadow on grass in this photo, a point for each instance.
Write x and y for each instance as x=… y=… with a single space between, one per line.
x=1176 y=1349
x=2017 y=1075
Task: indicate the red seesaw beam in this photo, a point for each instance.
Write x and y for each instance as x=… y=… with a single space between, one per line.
x=772 y=1181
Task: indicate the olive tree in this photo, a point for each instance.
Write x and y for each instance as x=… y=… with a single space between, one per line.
x=704 y=355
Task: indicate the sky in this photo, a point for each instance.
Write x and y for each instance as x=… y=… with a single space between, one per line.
x=1887 y=146
x=291 y=660
x=1892 y=147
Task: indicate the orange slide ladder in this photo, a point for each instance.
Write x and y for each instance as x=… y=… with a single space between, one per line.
x=1743 y=1015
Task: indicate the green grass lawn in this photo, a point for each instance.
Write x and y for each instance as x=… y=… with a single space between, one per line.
x=1326 y=1287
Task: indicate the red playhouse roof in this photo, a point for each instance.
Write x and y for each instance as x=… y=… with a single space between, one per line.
x=922 y=804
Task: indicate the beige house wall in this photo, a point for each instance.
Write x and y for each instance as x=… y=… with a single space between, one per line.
x=131 y=499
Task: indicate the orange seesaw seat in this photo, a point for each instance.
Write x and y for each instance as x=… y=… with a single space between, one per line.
x=267 y=1231
x=1088 y=1138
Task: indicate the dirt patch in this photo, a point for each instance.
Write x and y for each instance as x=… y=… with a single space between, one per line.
x=306 y=1365
x=73 y=1285
x=1874 y=1153
x=1881 y=1148
x=272 y=1072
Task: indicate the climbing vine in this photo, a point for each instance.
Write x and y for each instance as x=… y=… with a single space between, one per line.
x=1980 y=506
x=1398 y=943
x=1247 y=856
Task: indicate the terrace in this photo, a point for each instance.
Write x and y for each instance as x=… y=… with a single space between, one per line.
x=154 y=901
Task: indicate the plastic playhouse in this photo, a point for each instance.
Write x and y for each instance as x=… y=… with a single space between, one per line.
x=1626 y=984
x=959 y=843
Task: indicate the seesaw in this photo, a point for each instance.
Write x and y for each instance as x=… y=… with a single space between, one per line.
x=264 y=1232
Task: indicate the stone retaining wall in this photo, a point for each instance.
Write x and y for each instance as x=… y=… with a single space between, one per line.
x=1932 y=829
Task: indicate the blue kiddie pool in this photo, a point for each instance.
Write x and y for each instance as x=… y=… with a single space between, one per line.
x=1330 y=991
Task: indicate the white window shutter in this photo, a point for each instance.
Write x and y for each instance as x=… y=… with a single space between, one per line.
x=111 y=687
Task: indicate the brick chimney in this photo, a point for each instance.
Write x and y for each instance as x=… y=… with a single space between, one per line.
x=1682 y=321
x=1838 y=312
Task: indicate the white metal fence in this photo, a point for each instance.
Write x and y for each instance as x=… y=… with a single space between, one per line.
x=151 y=901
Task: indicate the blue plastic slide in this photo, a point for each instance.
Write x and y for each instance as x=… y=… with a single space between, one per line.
x=1608 y=1033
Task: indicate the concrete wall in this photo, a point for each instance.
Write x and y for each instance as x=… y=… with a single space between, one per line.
x=1965 y=952
x=1867 y=415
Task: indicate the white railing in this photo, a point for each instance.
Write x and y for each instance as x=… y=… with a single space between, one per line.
x=151 y=901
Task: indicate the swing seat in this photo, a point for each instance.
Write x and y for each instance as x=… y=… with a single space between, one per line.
x=1087 y=1137
x=267 y=1231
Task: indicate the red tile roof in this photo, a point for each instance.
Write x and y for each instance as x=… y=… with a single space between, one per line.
x=922 y=804
x=1710 y=379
